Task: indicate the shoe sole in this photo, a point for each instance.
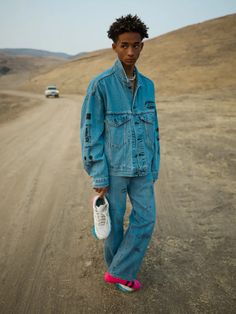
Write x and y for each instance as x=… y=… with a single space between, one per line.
x=124 y=288
x=94 y=233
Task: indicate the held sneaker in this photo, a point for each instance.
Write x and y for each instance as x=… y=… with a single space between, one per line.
x=102 y=223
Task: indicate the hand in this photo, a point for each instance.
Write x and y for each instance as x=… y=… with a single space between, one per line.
x=101 y=191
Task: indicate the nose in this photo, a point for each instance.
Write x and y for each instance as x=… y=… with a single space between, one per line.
x=130 y=51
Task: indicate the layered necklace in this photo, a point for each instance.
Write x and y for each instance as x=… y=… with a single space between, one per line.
x=131 y=79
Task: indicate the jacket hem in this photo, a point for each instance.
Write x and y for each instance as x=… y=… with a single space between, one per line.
x=134 y=173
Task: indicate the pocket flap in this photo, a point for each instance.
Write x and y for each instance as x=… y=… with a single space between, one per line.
x=147 y=117
x=117 y=120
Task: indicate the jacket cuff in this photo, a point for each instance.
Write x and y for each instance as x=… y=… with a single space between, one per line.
x=100 y=182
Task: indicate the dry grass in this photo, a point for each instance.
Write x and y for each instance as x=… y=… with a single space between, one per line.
x=193 y=59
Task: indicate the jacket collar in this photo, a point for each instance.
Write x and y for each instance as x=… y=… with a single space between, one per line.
x=120 y=73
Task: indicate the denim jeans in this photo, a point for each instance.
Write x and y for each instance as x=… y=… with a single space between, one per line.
x=124 y=252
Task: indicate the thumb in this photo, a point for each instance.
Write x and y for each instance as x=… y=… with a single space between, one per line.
x=101 y=194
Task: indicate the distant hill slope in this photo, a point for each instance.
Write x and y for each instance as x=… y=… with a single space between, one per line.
x=14 y=70
x=195 y=58
x=34 y=53
x=192 y=59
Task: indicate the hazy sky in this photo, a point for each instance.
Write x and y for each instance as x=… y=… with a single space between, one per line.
x=73 y=26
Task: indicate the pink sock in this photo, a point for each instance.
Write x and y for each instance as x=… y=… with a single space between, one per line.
x=136 y=284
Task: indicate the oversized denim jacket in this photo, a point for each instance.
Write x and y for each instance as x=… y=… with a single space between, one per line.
x=119 y=128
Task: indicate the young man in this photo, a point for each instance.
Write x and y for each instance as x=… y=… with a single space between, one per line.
x=120 y=150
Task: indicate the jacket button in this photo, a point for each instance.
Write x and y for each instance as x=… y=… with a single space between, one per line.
x=90 y=157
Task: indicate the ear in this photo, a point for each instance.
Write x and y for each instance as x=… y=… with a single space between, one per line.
x=141 y=48
x=114 y=46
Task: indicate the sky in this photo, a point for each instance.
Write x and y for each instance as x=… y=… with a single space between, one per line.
x=74 y=26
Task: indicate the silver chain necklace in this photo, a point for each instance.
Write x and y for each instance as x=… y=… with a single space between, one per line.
x=131 y=79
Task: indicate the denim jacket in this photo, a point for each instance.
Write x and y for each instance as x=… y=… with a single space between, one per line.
x=119 y=127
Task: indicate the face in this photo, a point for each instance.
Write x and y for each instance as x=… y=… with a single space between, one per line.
x=128 y=48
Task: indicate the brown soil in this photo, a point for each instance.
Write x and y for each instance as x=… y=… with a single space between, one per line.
x=49 y=261
x=13 y=105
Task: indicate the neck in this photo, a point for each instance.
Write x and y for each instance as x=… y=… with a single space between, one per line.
x=129 y=70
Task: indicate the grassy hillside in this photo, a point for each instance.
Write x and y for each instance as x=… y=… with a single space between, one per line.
x=196 y=58
x=34 y=53
x=17 y=69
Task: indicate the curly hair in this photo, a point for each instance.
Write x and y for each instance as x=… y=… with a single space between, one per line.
x=125 y=24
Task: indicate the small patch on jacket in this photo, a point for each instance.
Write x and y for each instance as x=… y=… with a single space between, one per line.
x=88 y=116
x=149 y=104
x=87 y=134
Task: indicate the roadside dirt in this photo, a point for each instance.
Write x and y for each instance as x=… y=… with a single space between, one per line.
x=49 y=261
x=13 y=104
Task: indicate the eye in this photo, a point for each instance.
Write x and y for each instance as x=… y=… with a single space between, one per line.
x=125 y=46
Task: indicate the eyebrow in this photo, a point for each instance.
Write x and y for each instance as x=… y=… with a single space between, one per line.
x=126 y=42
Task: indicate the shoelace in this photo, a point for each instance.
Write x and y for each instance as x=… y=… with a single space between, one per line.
x=101 y=217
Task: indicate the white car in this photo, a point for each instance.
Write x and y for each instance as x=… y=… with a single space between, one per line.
x=52 y=91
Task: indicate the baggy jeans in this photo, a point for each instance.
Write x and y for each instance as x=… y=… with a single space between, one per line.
x=124 y=252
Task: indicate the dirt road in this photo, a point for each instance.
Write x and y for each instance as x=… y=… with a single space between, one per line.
x=49 y=261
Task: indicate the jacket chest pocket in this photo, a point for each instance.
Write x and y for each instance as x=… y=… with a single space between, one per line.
x=117 y=130
x=147 y=120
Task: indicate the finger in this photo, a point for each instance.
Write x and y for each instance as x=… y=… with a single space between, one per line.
x=97 y=189
x=101 y=193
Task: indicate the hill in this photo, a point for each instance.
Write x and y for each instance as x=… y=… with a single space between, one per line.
x=193 y=59
x=34 y=53
x=17 y=52
x=14 y=70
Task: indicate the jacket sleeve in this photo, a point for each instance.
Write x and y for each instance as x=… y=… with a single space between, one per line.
x=92 y=137
x=156 y=157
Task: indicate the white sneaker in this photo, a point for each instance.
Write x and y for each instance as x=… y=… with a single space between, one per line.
x=102 y=223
